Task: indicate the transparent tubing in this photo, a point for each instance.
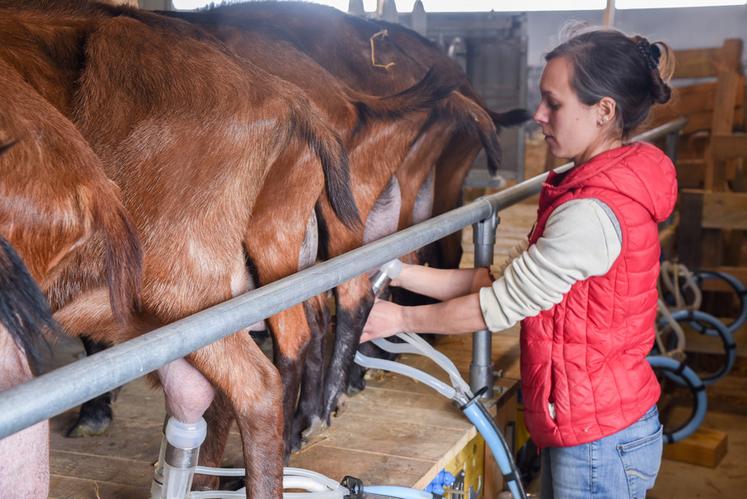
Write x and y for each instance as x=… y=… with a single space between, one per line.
x=688 y=377
x=418 y=346
x=398 y=492
x=405 y=370
x=317 y=485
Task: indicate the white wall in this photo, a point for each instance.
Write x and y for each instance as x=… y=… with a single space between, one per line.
x=693 y=27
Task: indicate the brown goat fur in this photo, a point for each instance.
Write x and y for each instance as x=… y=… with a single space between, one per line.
x=190 y=159
x=55 y=203
x=342 y=45
x=363 y=123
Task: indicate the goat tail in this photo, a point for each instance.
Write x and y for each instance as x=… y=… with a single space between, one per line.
x=471 y=118
x=123 y=256
x=328 y=147
x=506 y=119
x=24 y=311
x=511 y=118
x=435 y=86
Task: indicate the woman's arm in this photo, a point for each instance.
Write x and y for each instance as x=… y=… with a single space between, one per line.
x=442 y=284
x=581 y=239
x=457 y=316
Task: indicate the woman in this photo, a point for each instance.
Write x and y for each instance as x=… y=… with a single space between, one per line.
x=585 y=288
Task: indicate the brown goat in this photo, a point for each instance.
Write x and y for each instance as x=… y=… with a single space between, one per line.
x=362 y=122
x=55 y=204
x=456 y=122
x=190 y=159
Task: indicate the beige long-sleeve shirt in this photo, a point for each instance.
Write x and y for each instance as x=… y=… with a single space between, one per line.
x=581 y=239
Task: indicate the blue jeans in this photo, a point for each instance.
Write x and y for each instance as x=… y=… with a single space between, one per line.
x=621 y=465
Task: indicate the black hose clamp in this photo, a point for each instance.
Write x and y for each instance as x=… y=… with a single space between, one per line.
x=475 y=397
x=354 y=485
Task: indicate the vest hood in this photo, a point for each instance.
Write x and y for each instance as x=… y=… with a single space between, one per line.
x=640 y=171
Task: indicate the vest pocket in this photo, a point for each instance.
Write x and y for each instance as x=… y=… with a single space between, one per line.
x=641 y=459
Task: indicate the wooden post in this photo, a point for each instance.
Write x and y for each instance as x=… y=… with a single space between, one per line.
x=608 y=20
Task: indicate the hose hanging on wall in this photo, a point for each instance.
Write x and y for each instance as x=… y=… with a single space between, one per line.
x=679 y=371
x=708 y=323
x=739 y=290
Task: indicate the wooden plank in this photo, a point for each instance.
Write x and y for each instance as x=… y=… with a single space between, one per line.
x=696 y=63
x=429 y=408
x=723 y=123
x=729 y=82
x=731 y=54
x=63 y=487
x=724 y=210
x=705 y=447
x=370 y=467
x=729 y=146
x=102 y=469
x=717 y=285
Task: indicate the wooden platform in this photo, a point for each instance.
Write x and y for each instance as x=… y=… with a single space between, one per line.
x=397 y=431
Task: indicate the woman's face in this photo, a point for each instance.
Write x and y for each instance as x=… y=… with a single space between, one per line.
x=572 y=129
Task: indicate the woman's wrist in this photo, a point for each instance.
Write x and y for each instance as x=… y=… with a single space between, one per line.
x=401 y=279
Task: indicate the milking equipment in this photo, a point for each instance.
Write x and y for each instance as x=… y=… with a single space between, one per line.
x=178 y=456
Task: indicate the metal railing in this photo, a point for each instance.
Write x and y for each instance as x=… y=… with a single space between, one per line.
x=71 y=385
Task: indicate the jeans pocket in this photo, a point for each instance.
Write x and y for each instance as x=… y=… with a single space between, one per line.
x=641 y=459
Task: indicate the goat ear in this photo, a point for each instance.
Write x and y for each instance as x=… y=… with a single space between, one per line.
x=4 y=147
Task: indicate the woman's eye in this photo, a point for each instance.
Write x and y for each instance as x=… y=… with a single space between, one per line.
x=553 y=105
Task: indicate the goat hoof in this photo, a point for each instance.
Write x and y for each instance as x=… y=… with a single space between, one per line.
x=342 y=404
x=311 y=434
x=355 y=387
x=89 y=427
x=317 y=426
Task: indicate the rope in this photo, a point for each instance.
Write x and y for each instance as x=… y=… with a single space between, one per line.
x=381 y=34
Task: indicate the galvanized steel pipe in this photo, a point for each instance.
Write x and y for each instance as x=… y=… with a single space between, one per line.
x=71 y=385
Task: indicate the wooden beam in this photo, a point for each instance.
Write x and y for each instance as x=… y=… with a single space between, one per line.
x=723 y=123
x=608 y=19
x=717 y=285
x=729 y=146
x=705 y=447
x=724 y=210
x=696 y=63
x=731 y=55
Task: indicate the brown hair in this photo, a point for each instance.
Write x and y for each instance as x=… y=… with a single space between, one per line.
x=630 y=70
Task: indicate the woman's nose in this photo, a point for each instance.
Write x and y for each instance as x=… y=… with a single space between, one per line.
x=540 y=114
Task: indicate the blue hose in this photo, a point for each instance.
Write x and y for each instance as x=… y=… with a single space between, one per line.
x=399 y=492
x=689 y=378
x=739 y=289
x=730 y=348
x=485 y=425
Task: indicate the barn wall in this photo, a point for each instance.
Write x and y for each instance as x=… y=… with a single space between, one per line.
x=680 y=28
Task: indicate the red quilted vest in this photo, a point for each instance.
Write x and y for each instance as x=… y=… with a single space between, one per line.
x=585 y=358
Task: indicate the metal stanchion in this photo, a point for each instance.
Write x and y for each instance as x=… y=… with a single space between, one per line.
x=670 y=145
x=481 y=368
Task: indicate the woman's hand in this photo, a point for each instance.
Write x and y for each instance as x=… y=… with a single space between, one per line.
x=386 y=319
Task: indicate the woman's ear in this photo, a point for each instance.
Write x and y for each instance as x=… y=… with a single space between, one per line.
x=606 y=111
